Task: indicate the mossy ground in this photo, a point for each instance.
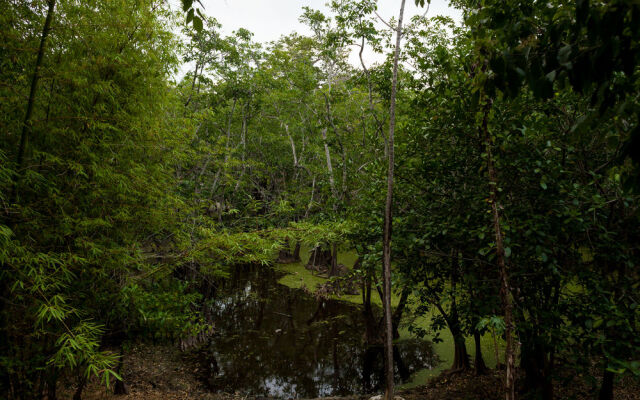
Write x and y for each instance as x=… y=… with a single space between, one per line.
x=297 y=276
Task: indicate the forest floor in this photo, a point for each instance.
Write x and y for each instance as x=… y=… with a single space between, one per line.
x=154 y=372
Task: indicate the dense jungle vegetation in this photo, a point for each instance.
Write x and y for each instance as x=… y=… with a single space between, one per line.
x=485 y=176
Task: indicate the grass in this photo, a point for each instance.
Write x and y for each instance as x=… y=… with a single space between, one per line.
x=297 y=276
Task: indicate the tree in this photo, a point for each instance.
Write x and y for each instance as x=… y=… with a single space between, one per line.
x=388 y=221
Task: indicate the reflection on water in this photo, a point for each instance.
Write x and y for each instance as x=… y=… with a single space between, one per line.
x=275 y=341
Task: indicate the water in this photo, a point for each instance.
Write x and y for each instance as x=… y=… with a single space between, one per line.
x=275 y=341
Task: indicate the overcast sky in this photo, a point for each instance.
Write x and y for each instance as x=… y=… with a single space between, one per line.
x=270 y=19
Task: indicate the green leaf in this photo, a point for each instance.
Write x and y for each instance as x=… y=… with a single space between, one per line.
x=197 y=23
x=563 y=56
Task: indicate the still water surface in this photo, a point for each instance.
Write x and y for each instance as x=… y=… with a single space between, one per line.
x=275 y=341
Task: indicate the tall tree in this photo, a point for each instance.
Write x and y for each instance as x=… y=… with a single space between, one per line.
x=388 y=219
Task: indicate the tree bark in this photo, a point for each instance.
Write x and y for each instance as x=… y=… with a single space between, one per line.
x=397 y=314
x=52 y=382
x=372 y=333
x=388 y=221
x=296 y=251
x=327 y=154
x=26 y=125
x=334 y=260
x=193 y=84
x=606 y=390
x=505 y=291
x=537 y=363
x=120 y=388
x=82 y=381
x=460 y=355
x=478 y=362
x=293 y=145
x=370 y=90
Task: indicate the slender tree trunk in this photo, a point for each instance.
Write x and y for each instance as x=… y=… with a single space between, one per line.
x=293 y=145
x=193 y=84
x=370 y=90
x=327 y=154
x=120 y=387
x=227 y=150
x=243 y=142
x=26 y=125
x=388 y=222
x=343 y=154
x=296 y=251
x=397 y=314
x=334 y=260
x=52 y=381
x=82 y=381
x=505 y=291
x=313 y=188
x=606 y=390
x=372 y=331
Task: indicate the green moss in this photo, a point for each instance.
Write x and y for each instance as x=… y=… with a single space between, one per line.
x=297 y=276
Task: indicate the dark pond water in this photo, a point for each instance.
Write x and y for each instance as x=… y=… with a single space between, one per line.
x=275 y=341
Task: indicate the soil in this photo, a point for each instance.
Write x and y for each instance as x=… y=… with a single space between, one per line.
x=154 y=372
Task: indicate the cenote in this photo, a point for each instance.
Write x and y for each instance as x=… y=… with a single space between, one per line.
x=271 y=340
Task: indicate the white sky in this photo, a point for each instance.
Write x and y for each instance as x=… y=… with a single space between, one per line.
x=271 y=19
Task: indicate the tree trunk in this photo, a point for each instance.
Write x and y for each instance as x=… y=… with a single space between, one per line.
x=52 y=382
x=293 y=145
x=327 y=154
x=296 y=252
x=334 y=261
x=243 y=142
x=120 y=387
x=460 y=355
x=388 y=221
x=81 y=383
x=536 y=362
x=606 y=390
x=26 y=125
x=372 y=334
x=478 y=362
x=370 y=90
x=193 y=84
x=313 y=189
x=397 y=314
x=505 y=290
